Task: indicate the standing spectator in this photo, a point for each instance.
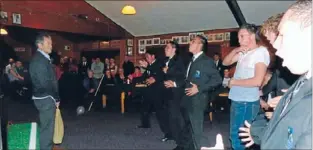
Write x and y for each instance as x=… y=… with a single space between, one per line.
x=128 y=66
x=97 y=68
x=252 y=62
x=45 y=89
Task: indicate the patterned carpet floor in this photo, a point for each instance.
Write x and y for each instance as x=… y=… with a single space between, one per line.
x=112 y=130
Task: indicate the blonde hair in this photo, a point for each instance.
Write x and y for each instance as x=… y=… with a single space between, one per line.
x=271 y=24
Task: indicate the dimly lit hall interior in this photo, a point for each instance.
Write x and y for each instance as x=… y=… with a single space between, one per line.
x=99 y=49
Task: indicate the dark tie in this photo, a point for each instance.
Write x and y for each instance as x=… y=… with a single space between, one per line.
x=294 y=92
x=191 y=62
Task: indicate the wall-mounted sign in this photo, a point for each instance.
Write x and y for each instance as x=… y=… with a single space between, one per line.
x=19 y=49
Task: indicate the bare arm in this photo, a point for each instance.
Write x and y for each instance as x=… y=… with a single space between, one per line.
x=233 y=56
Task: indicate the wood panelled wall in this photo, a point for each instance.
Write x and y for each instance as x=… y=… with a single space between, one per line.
x=225 y=45
x=63 y=16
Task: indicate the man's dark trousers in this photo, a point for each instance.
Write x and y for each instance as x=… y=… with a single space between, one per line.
x=46 y=108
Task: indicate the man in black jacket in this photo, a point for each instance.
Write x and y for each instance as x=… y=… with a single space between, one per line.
x=152 y=94
x=174 y=72
x=45 y=89
x=201 y=78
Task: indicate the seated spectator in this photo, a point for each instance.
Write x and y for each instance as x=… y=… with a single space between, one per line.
x=89 y=83
x=136 y=74
x=120 y=77
x=16 y=79
x=108 y=79
x=113 y=66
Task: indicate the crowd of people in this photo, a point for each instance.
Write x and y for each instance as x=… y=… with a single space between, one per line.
x=270 y=104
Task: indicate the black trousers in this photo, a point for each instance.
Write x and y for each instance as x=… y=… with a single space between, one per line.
x=46 y=108
x=161 y=113
x=176 y=121
x=193 y=124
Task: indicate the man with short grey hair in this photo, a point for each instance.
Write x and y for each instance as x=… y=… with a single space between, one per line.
x=45 y=89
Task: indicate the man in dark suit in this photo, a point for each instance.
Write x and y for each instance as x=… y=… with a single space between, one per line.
x=174 y=72
x=201 y=78
x=128 y=67
x=45 y=89
x=291 y=124
x=219 y=64
x=152 y=94
x=83 y=67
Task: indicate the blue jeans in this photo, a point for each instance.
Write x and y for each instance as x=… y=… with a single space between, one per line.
x=239 y=112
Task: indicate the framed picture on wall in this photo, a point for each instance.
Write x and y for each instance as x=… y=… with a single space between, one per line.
x=129 y=42
x=16 y=18
x=176 y=38
x=148 y=42
x=184 y=40
x=192 y=36
x=141 y=42
x=200 y=33
x=162 y=42
x=219 y=37
x=210 y=37
x=4 y=16
x=156 y=41
x=129 y=51
x=227 y=36
x=142 y=49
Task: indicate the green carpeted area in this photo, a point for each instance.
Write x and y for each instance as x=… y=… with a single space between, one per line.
x=23 y=136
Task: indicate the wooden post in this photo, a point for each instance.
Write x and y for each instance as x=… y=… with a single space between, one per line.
x=122 y=102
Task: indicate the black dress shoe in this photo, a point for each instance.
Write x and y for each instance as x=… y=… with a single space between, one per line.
x=141 y=126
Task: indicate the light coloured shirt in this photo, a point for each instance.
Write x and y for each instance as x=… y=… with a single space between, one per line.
x=245 y=69
x=168 y=61
x=97 y=69
x=225 y=82
x=44 y=54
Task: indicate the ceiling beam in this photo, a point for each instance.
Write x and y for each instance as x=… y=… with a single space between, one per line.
x=236 y=11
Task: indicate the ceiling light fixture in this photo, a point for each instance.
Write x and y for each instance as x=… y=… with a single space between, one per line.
x=128 y=10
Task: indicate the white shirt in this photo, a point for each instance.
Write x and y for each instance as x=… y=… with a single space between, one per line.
x=168 y=61
x=245 y=69
x=216 y=62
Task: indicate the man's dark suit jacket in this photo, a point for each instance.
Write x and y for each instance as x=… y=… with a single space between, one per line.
x=176 y=72
x=154 y=70
x=296 y=119
x=43 y=77
x=220 y=67
x=128 y=67
x=83 y=69
x=204 y=74
x=274 y=86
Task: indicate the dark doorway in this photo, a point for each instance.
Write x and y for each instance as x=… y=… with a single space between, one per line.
x=6 y=52
x=102 y=54
x=212 y=49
